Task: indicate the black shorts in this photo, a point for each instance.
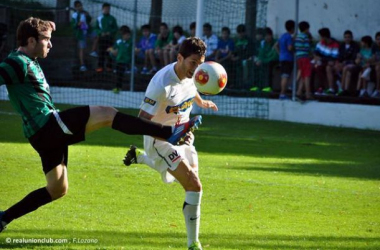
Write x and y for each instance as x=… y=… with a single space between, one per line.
x=52 y=143
x=286 y=68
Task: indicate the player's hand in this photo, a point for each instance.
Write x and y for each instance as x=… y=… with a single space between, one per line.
x=207 y=104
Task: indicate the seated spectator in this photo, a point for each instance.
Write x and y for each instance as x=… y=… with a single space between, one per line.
x=346 y=66
x=171 y=53
x=302 y=46
x=122 y=49
x=145 y=49
x=326 y=56
x=80 y=21
x=106 y=28
x=225 y=48
x=164 y=38
x=364 y=59
x=376 y=60
x=211 y=41
x=244 y=48
x=285 y=47
x=265 y=62
x=259 y=41
x=192 y=29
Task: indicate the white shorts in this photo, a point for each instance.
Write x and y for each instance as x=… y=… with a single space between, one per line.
x=167 y=156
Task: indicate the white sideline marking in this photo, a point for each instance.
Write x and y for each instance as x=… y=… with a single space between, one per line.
x=7 y=113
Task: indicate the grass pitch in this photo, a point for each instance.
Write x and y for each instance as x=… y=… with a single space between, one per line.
x=267 y=185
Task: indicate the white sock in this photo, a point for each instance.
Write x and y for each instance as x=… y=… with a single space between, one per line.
x=144 y=159
x=192 y=213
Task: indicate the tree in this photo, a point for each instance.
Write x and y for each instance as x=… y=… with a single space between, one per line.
x=155 y=18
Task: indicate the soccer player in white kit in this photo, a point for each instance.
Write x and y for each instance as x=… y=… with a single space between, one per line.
x=168 y=100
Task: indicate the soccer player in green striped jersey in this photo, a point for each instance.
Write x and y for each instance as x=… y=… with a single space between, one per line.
x=51 y=131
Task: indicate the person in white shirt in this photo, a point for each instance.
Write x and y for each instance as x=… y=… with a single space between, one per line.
x=168 y=100
x=211 y=41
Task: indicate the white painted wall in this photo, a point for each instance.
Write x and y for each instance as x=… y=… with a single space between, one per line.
x=360 y=16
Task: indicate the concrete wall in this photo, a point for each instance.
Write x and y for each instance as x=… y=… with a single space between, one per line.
x=360 y=16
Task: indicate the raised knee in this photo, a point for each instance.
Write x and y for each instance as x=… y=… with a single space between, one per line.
x=194 y=185
x=58 y=191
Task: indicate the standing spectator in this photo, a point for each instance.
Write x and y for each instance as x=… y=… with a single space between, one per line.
x=244 y=48
x=326 y=57
x=192 y=29
x=265 y=62
x=225 y=48
x=172 y=51
x=211 y=41
x=364 y=59
x=162 y=44
x=122 y=49
x=285 y=48
x=346 y=66
x=302 y=47
x=376 y=60
x=145 y=49
x=80 y=21
x=106 y=27
x=3 y=38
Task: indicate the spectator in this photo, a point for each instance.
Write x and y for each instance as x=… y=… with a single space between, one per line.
x=265 y=62
x=244 y=48
x=80 y=21
x=364 y=59
x=346 y=66
x=326 y=57
x=192 y=29
x=376 y=60
x=225 y=48
x=302 y=46
x=211 y=41
x=145 y=49
x=172 y=51
x=122 y=49
x=3 y=38
x=285 y=48
x=162 y=44
x=259 y=41
x=106 y=27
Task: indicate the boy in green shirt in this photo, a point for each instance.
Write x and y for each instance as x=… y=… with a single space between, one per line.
x=122 y=49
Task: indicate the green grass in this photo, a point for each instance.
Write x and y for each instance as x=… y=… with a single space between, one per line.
x=267 y=185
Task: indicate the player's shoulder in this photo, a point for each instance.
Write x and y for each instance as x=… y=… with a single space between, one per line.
x=165 y=76
x=17 y=60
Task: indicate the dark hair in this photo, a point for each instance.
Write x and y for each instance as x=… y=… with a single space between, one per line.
x=367 y=40
x=193 y=25
x=31 y=27
x=303 y=26
x=226 y=29
x=268 y=31
x=106 y=5
x=207 y=26
x=125 y=30
x=289 y=25
x=178 y=29
x=76 y=3
x=324 y=32
x=240 y=28
x=145 y=27
x=348 y=32
x=164 y=24
x=191 y=46
x=377 y=34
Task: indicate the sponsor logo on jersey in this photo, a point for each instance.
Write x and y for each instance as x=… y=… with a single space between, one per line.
x=174 y=156
x=149 y=101
x=182 y=107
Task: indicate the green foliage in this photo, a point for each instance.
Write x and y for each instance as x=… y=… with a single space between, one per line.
x=267 y=185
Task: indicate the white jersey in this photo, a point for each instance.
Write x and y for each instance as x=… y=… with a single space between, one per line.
x=169 y=99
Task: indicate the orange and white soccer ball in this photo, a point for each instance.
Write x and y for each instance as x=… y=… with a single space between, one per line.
x=210 y=78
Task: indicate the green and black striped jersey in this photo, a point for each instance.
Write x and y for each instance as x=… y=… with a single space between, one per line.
x=28 y=90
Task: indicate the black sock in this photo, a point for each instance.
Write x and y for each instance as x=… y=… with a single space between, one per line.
x=136 y=126
x=31 y=202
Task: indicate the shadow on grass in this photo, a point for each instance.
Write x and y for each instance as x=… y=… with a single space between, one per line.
x=133 y=240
